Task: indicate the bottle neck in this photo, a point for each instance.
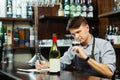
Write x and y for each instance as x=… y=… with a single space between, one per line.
x=83 y=2
x=66 y=1
x=89 y=2
x=71 y=1
x=60 y=6
x=77 y=1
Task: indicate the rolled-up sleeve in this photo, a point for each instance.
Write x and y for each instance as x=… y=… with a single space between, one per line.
x=67 y=58
x=108 y=56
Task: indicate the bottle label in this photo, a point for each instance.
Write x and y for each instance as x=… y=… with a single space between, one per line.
x=67 y=12
x=54 y=65
x=90 y=14
x=61 y=13
x=84 y=14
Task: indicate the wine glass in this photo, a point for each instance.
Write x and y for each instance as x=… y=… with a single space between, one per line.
x=75 y=43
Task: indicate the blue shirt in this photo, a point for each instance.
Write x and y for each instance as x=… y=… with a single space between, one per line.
x=103 y=53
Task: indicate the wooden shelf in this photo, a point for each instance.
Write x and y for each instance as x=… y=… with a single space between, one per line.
x=15 y=19
x=109 y=14
x=23 y=48
x=58 y=18
x=43 y=17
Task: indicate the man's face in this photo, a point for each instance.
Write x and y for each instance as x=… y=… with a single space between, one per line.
x=80 y=34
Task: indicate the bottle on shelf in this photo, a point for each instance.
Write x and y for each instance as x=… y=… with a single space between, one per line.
x=24 y=9
x=109 y=35
x=107 y=32
x=116 y=35
x=84 y=8
x=4 y=53
x=1 y=40
x=72 y=8
x=29 y=10
x=16 y=37
x=54 y=56
x=9 y=8
x=66 y=8
x=78 y=7
x=112 y=34
x=9 y=37
x=32 y=37
x=9 y=53
x=89 y=9
x=61 y=10
x=18 y=10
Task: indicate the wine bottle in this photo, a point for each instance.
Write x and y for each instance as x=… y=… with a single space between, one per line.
x=54 y=56
x=9 y=8
x=90 y=9
x=72 y=8
x=61 y=10
x=78 y=7
x=66 y=8
x=1 y=40
x=29 y=10
x=84 y=8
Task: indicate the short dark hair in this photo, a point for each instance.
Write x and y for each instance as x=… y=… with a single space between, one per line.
x=75 y=22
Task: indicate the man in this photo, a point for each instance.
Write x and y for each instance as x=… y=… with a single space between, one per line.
x=94 y=56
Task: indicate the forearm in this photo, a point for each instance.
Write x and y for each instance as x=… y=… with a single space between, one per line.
x=101 y=68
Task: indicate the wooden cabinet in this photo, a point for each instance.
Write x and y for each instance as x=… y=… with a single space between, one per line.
x=108 y=17
x=13 y=21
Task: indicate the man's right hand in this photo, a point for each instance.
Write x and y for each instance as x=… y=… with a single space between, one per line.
x=43 y=64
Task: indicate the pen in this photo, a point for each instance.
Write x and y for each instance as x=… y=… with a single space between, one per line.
x=38 y=57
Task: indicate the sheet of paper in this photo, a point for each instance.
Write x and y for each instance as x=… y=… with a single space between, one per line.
x=33 y=70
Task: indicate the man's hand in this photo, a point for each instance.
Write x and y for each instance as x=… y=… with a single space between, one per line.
x=43 y=64
x=80 y=52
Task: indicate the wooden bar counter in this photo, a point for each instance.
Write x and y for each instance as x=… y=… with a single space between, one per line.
x=9 y=72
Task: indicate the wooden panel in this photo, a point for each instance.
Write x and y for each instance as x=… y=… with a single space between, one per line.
x=104 y=6
x=48 y=11
x=95 y=5
x=103 y=22
x=117 y=57
x=46 y=29
x=115 y=20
